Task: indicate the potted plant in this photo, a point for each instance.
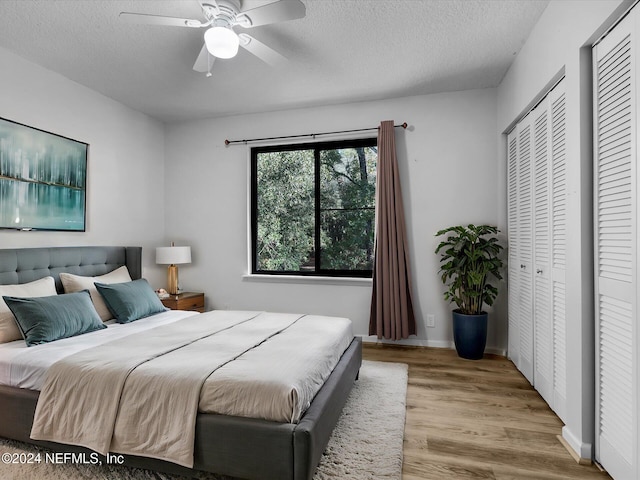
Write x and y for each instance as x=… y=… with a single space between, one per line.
x=469 y=258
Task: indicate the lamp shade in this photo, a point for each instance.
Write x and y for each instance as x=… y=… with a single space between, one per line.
x=221 y=42
x=173 y=255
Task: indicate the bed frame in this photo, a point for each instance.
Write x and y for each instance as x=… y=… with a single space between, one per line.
x=235 y=446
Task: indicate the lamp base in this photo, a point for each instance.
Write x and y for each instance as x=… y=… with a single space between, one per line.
x=172 y=279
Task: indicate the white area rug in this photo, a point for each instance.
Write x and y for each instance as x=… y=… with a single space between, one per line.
x=365 y=445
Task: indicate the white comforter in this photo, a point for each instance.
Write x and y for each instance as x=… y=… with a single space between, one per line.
x=256 y=365
x=26 y=367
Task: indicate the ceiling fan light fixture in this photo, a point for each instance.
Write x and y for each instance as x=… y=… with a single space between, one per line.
x=221 y=42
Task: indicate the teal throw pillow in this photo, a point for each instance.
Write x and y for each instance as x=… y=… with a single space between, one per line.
x=130 y=301
x=45 y=319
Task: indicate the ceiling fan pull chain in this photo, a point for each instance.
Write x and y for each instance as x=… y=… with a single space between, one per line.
x=208 y=66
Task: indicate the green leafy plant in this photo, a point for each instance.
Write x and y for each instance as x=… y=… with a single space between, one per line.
x=469 y=256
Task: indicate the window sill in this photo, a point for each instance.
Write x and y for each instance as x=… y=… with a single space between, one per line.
x=354 y=281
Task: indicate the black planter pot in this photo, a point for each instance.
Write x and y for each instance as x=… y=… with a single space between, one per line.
x=470 y=334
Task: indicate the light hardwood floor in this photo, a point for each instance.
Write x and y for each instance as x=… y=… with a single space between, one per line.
x=477 y=419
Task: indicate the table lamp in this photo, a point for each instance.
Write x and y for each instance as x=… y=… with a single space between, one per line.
x=173 y=256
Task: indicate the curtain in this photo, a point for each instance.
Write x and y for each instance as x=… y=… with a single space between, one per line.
x=392 y=314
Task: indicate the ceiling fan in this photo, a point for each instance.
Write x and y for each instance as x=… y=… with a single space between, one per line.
x=220 y=39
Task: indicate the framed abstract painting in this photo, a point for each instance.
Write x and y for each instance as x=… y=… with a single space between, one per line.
x=43 y=179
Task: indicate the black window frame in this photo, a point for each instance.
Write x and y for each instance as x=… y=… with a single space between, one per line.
x=316 y=147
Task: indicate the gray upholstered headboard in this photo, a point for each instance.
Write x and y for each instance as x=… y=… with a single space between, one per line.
x=22 y=265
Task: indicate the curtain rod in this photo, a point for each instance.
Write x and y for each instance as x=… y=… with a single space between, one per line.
x=232 y=142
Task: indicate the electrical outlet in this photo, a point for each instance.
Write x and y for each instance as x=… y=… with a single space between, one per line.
x=431 y=320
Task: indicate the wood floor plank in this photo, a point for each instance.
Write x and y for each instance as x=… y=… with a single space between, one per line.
x=510 y=473
x=434 y=469
x=477 y=420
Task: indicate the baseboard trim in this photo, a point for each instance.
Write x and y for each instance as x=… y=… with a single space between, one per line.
x=574 y=455
x=414 y=342
x=581 y=452
x=420 y=342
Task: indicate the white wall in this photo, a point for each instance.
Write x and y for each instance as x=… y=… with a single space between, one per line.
x=448 y=165
x=560 y=43
x=125 y=166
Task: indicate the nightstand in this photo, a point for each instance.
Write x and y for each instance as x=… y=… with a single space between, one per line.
x=185 y=301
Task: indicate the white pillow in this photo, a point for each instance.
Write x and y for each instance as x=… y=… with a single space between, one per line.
x=42 y=287
x=75 y=283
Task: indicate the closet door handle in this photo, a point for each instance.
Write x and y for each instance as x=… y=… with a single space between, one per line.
x=539 y=271
x=523 y=266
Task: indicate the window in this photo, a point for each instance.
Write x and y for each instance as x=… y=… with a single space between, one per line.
x=313 y=208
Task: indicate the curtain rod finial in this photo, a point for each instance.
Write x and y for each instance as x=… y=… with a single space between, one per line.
x=404 y=125
x=226 y=143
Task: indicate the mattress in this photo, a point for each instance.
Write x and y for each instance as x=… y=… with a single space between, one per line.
x=275 y=381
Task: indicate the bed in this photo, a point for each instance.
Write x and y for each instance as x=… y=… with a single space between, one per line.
x=232 y=445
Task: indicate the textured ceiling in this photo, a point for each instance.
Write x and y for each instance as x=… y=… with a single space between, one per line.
x=342 y=51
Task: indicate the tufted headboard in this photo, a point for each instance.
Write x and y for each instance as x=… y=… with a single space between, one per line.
x=22 y=265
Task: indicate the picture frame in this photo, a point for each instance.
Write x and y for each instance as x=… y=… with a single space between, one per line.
x=43 y=179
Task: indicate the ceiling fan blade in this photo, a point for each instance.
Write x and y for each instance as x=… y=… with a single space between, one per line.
x=260 y=50
x=204 y=61
x=147 y=19
x=280 y=11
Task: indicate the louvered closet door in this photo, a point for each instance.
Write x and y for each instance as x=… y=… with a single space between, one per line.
x=537 y=210
x=616 y=248
x=558 y=252
x=542 y=314
x=525 y=247
x=512 y=233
